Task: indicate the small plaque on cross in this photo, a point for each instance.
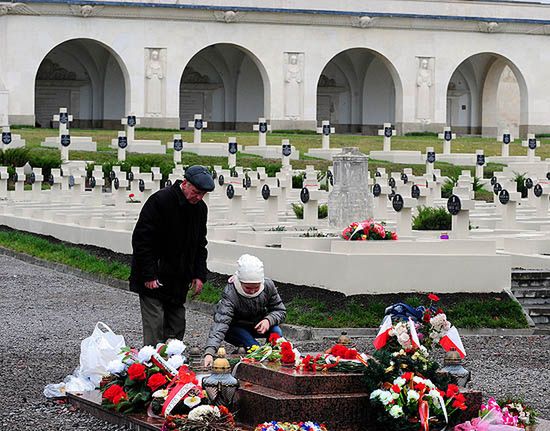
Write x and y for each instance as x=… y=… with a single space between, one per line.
x=6 y=138
x=397 y=202
x=454 y=205
x=266 y=192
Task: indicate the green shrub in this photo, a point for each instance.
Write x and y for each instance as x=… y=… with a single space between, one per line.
x=421 y=134
x=430 y=218
x=322 y=211
x=298 y=180
x=520 y=183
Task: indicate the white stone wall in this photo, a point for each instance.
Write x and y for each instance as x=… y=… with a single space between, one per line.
x=265 y=37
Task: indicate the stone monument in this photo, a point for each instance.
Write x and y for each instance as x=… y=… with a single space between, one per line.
x=350 y=199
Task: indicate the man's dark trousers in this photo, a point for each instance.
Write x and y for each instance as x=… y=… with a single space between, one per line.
x=161 y=320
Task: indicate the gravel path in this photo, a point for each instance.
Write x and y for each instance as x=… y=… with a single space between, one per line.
x=44 y=315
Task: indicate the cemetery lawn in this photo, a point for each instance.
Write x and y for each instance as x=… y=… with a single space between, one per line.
x=302 y=140
x=306 y=306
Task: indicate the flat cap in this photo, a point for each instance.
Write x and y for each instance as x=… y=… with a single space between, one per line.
x=200 y=177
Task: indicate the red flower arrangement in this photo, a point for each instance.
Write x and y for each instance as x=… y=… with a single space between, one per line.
x=341 y=351
x=367 y=230
x=115 y=394
x=156 y=381
x=287 y=353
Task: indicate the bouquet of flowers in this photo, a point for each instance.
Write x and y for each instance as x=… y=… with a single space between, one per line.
x=136 y=375
x=367 y=230
x=202 y=418
x=276 y=349
x=522 y=415
x=412 y=401
x=287 y=426
x=509 y=415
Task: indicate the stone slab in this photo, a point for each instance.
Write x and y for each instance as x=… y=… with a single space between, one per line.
x=457 y=159
x=509 y=159
x=270 y=151
x=322 y=153
x=78 y=143
x=214 y=149
x=142 y=146
x=295 y=382
x=405 y=157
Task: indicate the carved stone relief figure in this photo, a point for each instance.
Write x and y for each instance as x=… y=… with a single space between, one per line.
x=424 y=84
x=293 y=85
x=154 y=79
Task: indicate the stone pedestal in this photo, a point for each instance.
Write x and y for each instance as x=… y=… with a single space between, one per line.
x=284 y=394
x=350 y=199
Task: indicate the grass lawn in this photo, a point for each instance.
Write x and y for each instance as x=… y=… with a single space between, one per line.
x=318 y=310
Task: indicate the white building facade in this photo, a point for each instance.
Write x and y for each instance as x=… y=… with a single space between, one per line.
x=478 y=66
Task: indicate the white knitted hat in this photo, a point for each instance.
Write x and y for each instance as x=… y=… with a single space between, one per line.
x=250 y=269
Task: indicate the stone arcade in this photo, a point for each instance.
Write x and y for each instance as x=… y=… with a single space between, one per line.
x=461 y=65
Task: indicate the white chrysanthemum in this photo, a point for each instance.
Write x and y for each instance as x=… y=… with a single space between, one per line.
x=116 y=366
x=145 y=353
x=375 y=394
x=385 y=397
x=400 y=381
x=199 y=412
x=396 y=411
x=175 y=361
x=412 y=395
x=418 y=379
x=175 y=347
x=161 y=393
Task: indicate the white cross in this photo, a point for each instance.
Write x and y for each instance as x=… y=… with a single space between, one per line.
x=285 y=159
x=506 y=138
x=5 y=132
x=479 y=167
x=447 y=137
x=65 y=149
x=531 y=143
x=121 y=151
x=231 y=158
x=262 y=128
x=197 y=124
x=66 y=120
x=429 y=161
x=326 y=130
x=177 y=153
x=387 y=132
x=129 y=128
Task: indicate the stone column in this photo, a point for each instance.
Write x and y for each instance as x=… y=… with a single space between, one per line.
x=350 y=199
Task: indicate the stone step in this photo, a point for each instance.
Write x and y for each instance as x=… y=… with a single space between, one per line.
x=540 y=314
x=531 y=291
x=530 y=302
x=530 y=278
x=294 y=382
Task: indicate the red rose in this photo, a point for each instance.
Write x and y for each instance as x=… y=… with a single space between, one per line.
x=113 y=392
x=350 y=354
x=119 y=397
x=286 y=346
x=407 y=376
x=273 y=338
x=288 y=357
x=394 y=236
x=459 y=402
x=452 y=390
x=396 y=389
x=338 y=350
x=156 y=381
x=427 y=316
x=131 y=195
x=136 y=372
x=433 y=297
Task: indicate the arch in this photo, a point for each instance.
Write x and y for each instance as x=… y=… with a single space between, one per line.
x=89 y=76
x=484 y=73
x=228 y=84
x=368 y=75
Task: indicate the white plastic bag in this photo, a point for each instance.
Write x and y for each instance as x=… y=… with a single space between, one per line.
x=97 y=351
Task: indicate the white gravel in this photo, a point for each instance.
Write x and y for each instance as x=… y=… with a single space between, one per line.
x=44 y=315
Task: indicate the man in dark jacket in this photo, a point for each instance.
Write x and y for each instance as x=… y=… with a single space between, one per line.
x=250 y=307
x=169 y=254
